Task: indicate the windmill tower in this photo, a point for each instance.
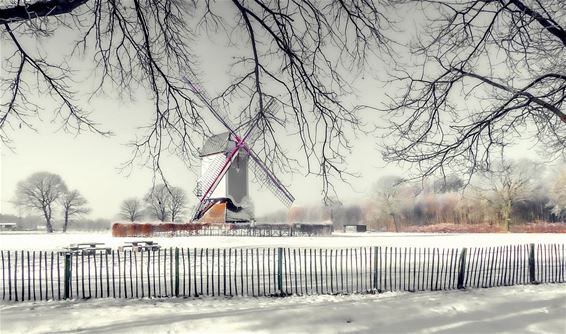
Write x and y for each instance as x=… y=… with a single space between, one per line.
x=223 y=188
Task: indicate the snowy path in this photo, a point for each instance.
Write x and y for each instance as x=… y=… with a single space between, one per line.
x=520 y=309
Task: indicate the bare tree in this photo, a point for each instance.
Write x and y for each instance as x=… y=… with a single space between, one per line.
x=301 y=54
x=73 y=204
x=353 y=215
x=157 y=202
x=39 y=192
x=488 y=73
x=177 y=203
x=557 y=193
x=449 y=183
x=510 y=182
x=131 y=209
x=387 y=190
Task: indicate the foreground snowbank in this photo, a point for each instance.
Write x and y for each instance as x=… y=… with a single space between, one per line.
x=520 y=309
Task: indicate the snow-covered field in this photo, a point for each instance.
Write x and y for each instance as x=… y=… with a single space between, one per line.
x=42 y=241
x=520 y=309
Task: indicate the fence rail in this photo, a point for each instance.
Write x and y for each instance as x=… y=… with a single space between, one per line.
x=41 y=275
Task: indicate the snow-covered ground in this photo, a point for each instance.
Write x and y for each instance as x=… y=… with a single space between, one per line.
x=43 y=241
x=519 y=309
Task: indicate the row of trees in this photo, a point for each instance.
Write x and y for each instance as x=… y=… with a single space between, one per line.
x=512 y=192
x=162 y=202
x=44 y=193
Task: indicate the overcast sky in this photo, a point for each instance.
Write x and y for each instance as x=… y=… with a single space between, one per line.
x=91 y=163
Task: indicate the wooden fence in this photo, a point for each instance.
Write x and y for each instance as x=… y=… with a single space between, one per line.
x=41 y=275
x=148 y=230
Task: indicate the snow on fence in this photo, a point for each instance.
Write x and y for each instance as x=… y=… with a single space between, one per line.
x=180 y=272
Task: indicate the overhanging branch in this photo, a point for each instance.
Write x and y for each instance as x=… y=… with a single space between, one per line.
x=548 y=23
x=38 y=9
x=522 y=92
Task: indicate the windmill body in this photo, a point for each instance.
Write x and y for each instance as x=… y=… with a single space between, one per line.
x=230 y=197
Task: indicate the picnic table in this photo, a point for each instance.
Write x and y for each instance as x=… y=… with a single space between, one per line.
x=141 y=245
x=87 y=248
x=87 y=244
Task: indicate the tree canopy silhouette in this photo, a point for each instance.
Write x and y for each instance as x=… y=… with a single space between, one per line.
x=298 y=54
x=482 y=73
x=487 y=74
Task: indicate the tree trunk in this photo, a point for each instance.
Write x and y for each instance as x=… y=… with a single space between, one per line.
x=47 y=215
x=395 y=223
x=507 y=215
x=66 y=222
x=49 y=226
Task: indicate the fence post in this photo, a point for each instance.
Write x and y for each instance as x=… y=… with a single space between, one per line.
x=280 y=270
x=67 y=278
x=375 y=271
x=532 y=263
x=462 y=268
x=176 y=271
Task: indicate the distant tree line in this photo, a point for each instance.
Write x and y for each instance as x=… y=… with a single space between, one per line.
x=162 y=202
x=512 y=192
x=47 y=194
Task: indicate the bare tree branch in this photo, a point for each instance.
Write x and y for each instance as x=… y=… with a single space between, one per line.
x=302 y=54
x=489 y=74
x=43 y=8
x=131 y=209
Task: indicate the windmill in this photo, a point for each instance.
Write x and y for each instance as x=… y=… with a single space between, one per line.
x=223 y=186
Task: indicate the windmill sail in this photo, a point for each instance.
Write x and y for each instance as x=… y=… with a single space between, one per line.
x=266 y=178
x=207 y=179
x=197 y=89
x=210 y=180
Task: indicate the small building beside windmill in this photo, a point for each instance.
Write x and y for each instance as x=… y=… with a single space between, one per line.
x=230 y=201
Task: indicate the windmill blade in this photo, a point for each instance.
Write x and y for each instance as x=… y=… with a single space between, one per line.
x=207 y=178
x=215 y=176
x=196 y=87
x=266 y=178
x=211 y=178
x=203 y=207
